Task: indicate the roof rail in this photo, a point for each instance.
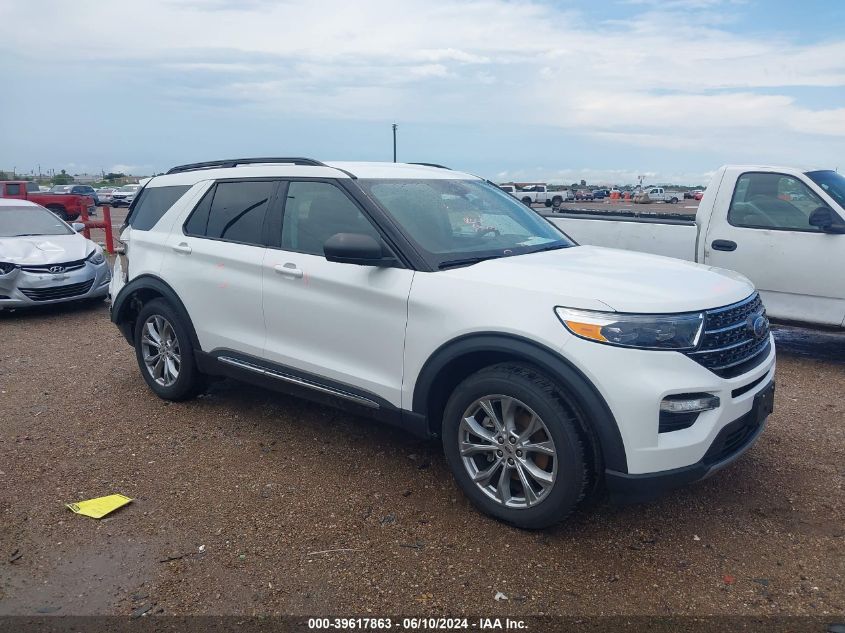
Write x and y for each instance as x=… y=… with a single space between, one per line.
x=432 y=165
x=234 y=162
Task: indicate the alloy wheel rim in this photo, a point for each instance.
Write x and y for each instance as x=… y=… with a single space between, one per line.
x=160 y=350
x=507 y=451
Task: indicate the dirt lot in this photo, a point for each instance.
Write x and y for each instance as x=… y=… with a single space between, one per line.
x=250 y=502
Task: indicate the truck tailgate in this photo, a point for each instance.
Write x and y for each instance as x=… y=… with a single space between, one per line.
x=672 y=238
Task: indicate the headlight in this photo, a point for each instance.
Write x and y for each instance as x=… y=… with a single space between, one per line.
x=6 y=268
x=648 y=331
x=97 y=257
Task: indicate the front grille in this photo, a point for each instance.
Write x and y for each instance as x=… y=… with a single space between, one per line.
x=728 y=346
x=45 y=268
x=58 y=292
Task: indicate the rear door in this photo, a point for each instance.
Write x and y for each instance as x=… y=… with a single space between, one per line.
x=766 y=236
x=340 y=324
x=214 y=263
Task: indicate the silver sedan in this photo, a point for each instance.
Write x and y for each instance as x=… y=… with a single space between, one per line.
x=44 y=260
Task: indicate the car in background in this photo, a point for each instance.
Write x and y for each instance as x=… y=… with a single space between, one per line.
x=698 y=195
x=123 y=196
x=104 y=195
x=511 y=189
x=79 y=190
x=583 y=194
x=44 y=260
x=600 y=194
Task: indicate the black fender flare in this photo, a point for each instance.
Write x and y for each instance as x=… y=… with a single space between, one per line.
x=121 y=305
x=567 y=375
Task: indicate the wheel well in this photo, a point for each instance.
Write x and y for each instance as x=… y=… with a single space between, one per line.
x=130 y=309
x=461 y=367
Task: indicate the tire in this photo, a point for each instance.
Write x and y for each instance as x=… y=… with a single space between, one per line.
x=526 y=201
x=60 y=212
x=557 y=481
x=548 y=203
x=166 y=323
x=556 y=202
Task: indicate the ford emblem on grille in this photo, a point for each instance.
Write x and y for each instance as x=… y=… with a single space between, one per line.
x=757 y=325
x=56 y=269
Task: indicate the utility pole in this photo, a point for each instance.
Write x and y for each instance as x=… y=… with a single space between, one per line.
x=394 y=142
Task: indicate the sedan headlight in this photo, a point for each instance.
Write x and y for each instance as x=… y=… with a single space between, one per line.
x=646 y=331
x=6 y=268
x=97 y=257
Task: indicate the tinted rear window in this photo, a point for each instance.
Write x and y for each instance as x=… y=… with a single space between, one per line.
x=232 y=211
x=153 y=204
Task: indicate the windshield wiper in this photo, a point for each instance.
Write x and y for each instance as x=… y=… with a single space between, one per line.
x=25 y=234
x=554 y=247
x=468 y=261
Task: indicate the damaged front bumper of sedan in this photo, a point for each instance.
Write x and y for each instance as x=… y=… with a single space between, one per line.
x=24 y=285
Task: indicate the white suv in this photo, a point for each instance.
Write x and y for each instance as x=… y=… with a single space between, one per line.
x=431 y=299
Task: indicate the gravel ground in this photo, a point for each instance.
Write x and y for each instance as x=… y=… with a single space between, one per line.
x=249 y=502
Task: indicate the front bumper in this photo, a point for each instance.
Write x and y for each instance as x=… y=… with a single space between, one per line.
x=22 y=289
x=731 y=442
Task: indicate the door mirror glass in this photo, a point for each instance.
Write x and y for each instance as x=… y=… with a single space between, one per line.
x=355 y=248
x=78 y=227
x=825 y=219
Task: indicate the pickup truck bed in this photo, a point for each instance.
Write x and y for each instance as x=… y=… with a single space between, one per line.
x=658 y=233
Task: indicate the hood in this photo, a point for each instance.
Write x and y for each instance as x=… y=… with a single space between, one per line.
x=624 y=281
x=45 y=249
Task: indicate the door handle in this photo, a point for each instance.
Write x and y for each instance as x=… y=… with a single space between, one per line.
x=289 y=270
x=182 y=247
x=723 y=245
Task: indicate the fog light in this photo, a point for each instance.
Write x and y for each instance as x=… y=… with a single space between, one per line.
x=689 y=403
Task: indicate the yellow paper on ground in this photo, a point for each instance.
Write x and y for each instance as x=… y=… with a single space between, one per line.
x=99 y=507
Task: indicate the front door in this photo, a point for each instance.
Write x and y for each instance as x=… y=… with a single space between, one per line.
x=340 y=322
x=767 y=237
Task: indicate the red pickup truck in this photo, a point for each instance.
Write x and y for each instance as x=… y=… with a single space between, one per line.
x=68 y=206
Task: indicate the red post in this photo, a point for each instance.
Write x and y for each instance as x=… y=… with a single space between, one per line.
x=108 y=230
x=83 y=213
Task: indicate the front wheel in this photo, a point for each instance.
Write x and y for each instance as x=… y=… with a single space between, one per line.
x=165 y=353
x=513 y=446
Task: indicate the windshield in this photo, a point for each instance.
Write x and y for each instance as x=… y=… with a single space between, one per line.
x=60 y=189
x=19 y=221
x=454 y=220
x=129 y=188
x=832 y=183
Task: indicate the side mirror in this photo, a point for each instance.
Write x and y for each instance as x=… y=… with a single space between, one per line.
x=828 y=221
x=356 y=248
x=78 y=227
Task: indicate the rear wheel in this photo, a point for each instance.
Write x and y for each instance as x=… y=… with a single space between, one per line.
x=526 y=201
x=165 y=353
x=60 y=212
x=511 y=440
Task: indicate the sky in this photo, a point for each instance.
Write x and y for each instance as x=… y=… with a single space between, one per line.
x=507 y=89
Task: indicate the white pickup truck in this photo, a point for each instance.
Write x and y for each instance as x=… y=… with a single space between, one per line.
x=782 y=228
x=658 y=194
x=540 y=194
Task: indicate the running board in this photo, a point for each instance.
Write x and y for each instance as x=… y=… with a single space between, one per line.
x=271 y=373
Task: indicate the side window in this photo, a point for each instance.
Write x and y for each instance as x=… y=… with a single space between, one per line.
x=772 y=201
x=152 y=204
x=314 y=211
x=13 y=189
x=233 y=211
